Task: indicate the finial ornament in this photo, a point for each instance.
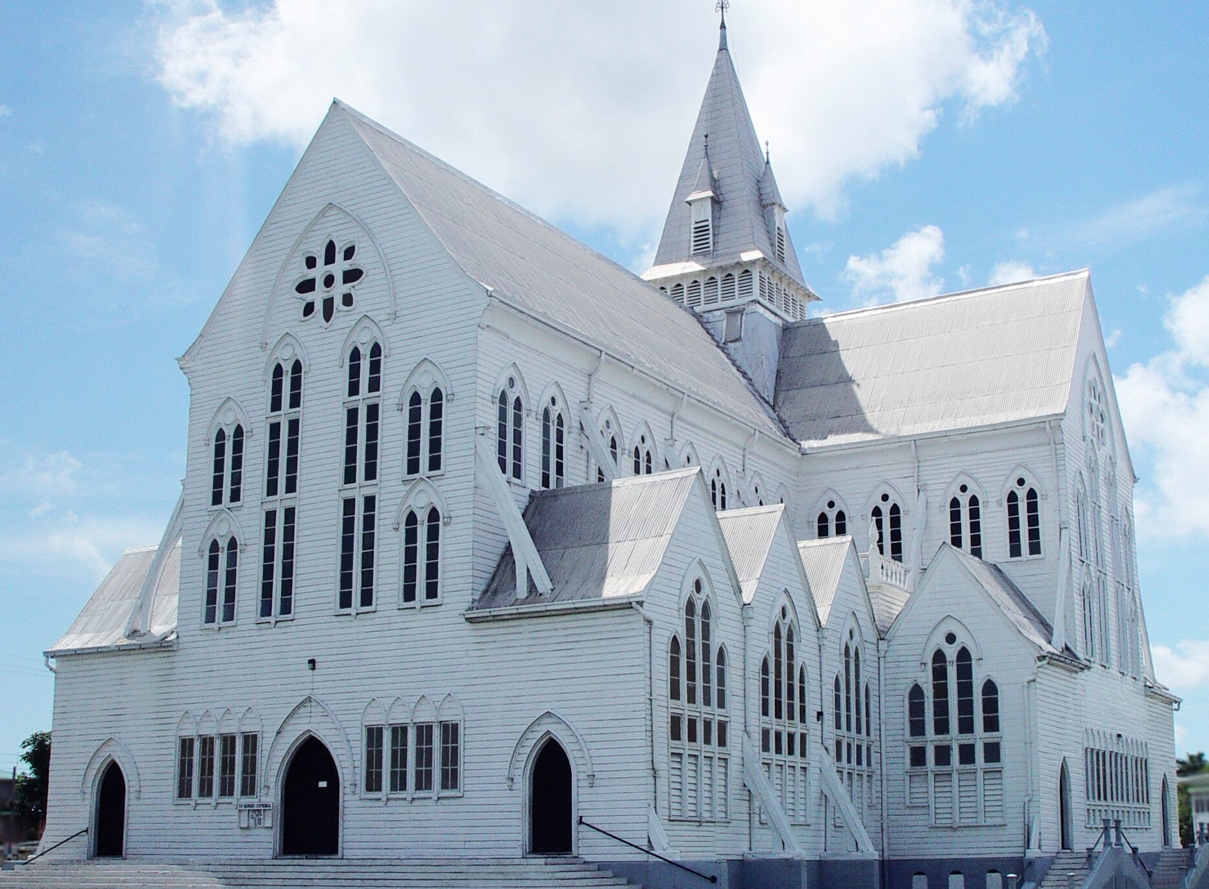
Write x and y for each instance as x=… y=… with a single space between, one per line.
x=766 y=152
x=721 y=6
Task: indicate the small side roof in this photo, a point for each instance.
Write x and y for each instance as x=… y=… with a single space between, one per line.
x=102 y=623
x=602 y=541
x=749 y=533
x=824 y=563
x=964 y=360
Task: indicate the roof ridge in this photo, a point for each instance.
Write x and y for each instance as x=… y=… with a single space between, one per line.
x=941 y=297
x=621 y=481
x=826 y=541
x=749 y=511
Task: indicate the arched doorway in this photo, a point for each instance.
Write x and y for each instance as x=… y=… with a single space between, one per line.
x=110 y=823
x=550 y=801
x=1065 y=816
x=1166 y=815
x=310 y=802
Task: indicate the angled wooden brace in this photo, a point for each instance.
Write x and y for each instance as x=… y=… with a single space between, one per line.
x=524 y=551
x=595 y=442
x=139 y=623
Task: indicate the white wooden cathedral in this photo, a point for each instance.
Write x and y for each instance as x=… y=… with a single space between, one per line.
x=489 y=548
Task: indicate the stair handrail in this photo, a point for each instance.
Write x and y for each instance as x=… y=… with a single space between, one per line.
x=696 y=873
x=1105 y=835
x=55 y=846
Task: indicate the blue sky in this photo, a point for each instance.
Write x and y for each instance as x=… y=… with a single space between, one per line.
x=923 y=147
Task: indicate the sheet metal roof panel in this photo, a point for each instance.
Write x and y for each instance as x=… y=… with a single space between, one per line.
x=597 y=541
x=957 y=361
x=1014 y=604
x=748 y=534
x=102 y=622
x=545 y=271
x=824 y=563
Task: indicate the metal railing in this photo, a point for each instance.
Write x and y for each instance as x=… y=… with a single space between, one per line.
x=696 y=873
x=78 y=833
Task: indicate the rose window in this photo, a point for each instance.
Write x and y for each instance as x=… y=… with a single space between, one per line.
x=329 y=286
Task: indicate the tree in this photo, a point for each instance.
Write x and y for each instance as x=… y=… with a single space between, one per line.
x=32 y=785
x=1193 y=765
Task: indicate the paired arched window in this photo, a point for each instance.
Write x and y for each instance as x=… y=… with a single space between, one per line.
x=413 y=752
x=1097 y=414
x=784 y=744
x=887 y=517
x=226 y=485
x=510 y=429
x=718 y=487
x=1023 y=519
x=425 y=432
x=222 y=576
x=954 y=741
x=643 y=456
x=284 y=425
x=699 y=731
x=359 y=503
x=610 y=434
x=421 y=555
x=965 y=520
x=832 y=520
x=554 y=446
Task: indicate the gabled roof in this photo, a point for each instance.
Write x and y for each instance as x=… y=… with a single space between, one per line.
x=824 y=563
x=960 y=361
x=601 y=541
x=531 y=264
x=102 y=623
x=739 y=167
x=749 y=533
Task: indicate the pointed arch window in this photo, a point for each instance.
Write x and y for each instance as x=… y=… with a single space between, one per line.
x=510 y=430
x=421 y=556
x=554 y=446
x=425 y=449
x=699 y=729
x=222 y=580
x=359 y=478
x=784 y=744
x=965 y=520
x=964 y=774
x=609 y=434
x=717 y=488
x=852 y=725
x=887 y=518
x=1023 y=519
x=832 y=520
x=644 y=456
x=277 y=555
x=226 y=487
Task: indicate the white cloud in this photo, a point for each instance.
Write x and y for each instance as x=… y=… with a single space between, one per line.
x=68 y=543
x=53 y=475
x=543 y=105
x=903 y=271
x=1184 y=667
x=1010 y=272
x=1165 y=407
x=1139 y=218
x=1113 y=338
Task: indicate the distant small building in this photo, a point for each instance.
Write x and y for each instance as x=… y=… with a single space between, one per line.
x=13 y=828
x=1198 y=800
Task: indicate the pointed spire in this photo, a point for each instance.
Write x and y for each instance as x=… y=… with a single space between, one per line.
x=722 y=6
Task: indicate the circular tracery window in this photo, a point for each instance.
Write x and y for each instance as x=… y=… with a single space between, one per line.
x=330 y=287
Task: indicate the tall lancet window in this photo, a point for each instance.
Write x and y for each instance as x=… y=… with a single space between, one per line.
x=698 y=728
x=510 y=430
x=1023 y=519
x=853 y=724
x=222 y=576
x=423 y=406
x=554 y=445
x=283 y=426
x=359 y=477
x=226 y=487
x=784 y=744
x=887 y=518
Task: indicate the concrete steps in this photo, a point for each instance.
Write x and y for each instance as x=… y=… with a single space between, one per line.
x=1171 y=867
x=501 y=873
x=1069 y=871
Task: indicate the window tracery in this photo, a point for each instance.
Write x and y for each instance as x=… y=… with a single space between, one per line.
x=965 y=520
x=222 y=576
x=328 y=281
x=510 y=429
x=359 y=478
x=1023 y=519
x=887 y=517
x=832 y=519
x=852 y=725
x=554 y=445
x=281 y=488
x=784 y=743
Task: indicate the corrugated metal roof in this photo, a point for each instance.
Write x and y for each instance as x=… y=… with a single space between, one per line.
x=824 y=563
x=744 y=181
x=1014 y=604
x=748 y=534
x=102 y=623
x=546 y=271
x=959 y=361
x=597 y=541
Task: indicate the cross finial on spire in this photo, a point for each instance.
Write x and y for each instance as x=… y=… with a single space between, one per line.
x=721 y=6
x=766 y=151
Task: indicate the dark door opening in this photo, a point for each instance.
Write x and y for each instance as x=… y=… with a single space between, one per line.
x=1064 y=809
x=111 y=813
x=310 y=803
x=1166 y=814
x=550 y=802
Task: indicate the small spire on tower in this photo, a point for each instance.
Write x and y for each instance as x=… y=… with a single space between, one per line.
x=721 y=7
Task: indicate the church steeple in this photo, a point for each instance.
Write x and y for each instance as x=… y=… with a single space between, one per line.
x=725 y=251
x=725 y=240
